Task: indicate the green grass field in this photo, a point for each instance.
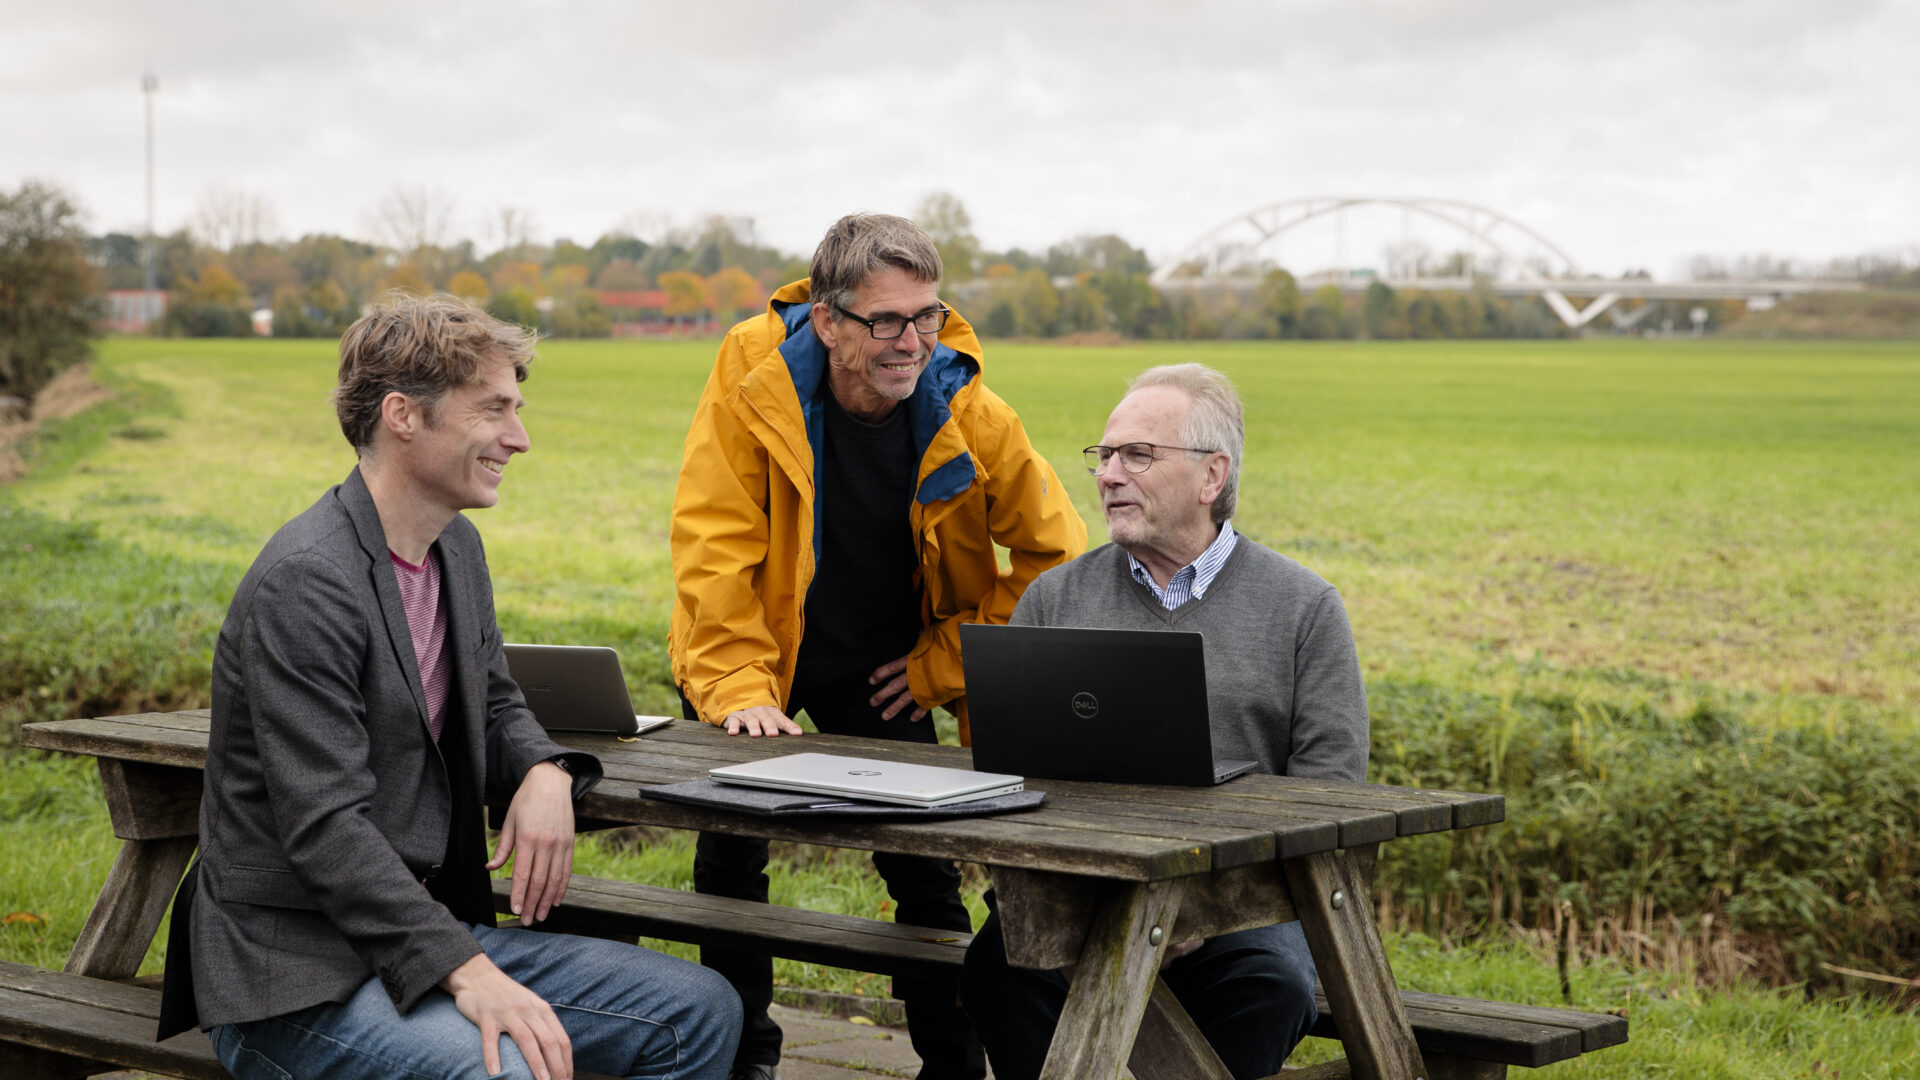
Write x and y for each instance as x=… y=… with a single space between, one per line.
x=1572 y=567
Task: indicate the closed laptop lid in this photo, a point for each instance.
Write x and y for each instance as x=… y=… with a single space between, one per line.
x=1075 y=703
x=866 y=778
x=576 y=688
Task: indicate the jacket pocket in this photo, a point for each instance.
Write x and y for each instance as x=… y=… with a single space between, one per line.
x=266 y=887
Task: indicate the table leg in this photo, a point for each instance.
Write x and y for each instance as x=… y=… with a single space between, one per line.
x=1113 y=980
x=1336 y=911
x=132 y=902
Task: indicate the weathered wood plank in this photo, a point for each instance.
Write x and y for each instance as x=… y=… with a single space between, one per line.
x=103 y=1035
x=1263 y=827
x=111 y=995
x=1113 y=980
x=151 y=802
x=1170 y=1045
x=1044 y=917
x=1005 y=838
x=1337 y=915
x=594 y=904
x=131 y=904
x=111 y=739
x=1468 y=809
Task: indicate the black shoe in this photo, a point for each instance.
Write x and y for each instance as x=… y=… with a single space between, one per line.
x=754 y=1072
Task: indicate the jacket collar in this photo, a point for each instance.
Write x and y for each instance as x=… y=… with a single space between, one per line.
x=358 y=502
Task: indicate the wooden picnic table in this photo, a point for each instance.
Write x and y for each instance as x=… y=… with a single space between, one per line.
x=1103 y=877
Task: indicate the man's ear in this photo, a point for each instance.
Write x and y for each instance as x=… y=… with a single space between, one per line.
x=823 y=328
x=399 y=416
x=1215 y=480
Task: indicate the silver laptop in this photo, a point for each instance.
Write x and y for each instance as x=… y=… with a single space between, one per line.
x=577 y=688
x=867 y=779
x=1123 y=706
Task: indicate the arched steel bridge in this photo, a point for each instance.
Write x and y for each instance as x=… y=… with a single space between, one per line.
x=1523 y=262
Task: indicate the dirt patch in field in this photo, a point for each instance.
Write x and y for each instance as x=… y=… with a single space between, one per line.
x=71 y=393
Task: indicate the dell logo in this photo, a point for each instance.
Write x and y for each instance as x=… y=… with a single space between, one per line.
x=863 y=772
x=1085 y=705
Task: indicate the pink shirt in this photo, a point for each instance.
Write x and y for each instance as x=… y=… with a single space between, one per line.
x=427 y=623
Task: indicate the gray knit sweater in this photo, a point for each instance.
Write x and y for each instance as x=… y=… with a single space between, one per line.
x=1283 y=682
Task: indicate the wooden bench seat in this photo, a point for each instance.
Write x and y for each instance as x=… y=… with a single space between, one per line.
x=1467 y=1037
x=59 y=1026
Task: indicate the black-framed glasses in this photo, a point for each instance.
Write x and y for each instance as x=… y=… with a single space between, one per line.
x=1135 y=457
x=888 y=327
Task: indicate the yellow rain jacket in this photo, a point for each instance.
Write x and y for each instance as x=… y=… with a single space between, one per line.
x=745 y=532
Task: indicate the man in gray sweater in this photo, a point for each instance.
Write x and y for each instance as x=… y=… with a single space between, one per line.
x=1283 y=688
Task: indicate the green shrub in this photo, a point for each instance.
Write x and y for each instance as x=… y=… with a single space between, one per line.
x=1799 y=832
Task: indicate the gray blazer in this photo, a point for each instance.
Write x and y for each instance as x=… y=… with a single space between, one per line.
x=328 y=804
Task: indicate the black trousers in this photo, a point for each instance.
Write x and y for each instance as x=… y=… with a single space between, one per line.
x=925 y=892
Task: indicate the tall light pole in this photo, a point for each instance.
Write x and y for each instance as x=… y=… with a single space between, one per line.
x=149 y=85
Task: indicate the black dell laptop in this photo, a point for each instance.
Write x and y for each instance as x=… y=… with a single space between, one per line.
x=1123 y=706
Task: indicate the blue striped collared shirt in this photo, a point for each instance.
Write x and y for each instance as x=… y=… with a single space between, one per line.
x=1192 y=580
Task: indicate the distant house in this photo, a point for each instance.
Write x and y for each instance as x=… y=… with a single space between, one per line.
x=131 y=311
x=643 y=313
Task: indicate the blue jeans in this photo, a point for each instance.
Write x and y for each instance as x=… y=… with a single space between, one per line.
x=1251 y=993
x=629 y=1012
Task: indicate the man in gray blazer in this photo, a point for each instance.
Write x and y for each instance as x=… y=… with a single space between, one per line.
x=339 y=918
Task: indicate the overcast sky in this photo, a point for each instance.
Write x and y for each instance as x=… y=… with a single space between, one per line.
x=1631 y=134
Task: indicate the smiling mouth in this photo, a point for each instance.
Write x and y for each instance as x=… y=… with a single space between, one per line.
x=492 y=466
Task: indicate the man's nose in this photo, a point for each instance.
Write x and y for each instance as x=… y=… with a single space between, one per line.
x=517 y=439
x=909 y=339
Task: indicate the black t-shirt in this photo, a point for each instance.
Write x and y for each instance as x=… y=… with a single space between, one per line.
x=862 y=609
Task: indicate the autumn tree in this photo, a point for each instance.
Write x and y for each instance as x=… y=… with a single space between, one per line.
x=471 y=287
x=46 y=288
x=407 y=278
x=213 y=304
x=686 y=293
x=733 y=291
x=518 y=274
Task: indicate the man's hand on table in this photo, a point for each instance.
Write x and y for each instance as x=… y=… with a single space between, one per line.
x=761 y=720
x=499 y=1006
x=895 y=690
x=539 y=825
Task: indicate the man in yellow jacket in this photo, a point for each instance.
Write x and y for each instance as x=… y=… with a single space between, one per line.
x=846 y=478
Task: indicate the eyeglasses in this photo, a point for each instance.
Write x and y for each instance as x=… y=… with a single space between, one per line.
x=888 y=327
x=1135 y=457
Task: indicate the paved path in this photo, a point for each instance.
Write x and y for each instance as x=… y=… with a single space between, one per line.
x=829 y=1048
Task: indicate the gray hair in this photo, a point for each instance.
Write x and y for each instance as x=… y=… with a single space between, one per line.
x=859 y=244
x=1215 y=422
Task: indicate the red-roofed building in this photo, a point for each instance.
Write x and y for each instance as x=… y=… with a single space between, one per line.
x=643 y=313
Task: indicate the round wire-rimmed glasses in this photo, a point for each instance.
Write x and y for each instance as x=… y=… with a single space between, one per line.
x=1135 y=457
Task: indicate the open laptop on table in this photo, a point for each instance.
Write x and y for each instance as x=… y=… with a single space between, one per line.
x=867 y=779
x=577 y=688
x=1123 y=706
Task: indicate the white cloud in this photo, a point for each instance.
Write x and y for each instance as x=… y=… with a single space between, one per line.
x=1631 y=133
